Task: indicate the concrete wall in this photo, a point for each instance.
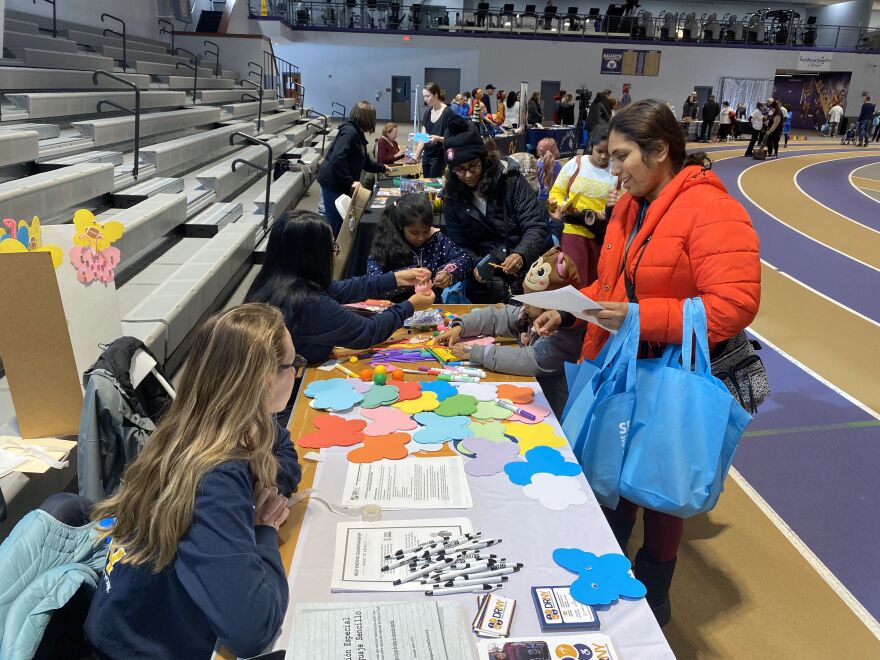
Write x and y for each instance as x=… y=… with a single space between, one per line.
x=349 y=67
x=140 y=16
x=234 y=52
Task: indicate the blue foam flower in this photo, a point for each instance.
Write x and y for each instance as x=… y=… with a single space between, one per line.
x=540 y=459
x=602 y=579
x=441 y=388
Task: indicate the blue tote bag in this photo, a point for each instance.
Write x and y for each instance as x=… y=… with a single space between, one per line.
x=685 y=427
x=599 y=409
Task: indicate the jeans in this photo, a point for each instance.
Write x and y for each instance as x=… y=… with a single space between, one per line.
x=864 y=130
x=706 y=130
x=330 y=213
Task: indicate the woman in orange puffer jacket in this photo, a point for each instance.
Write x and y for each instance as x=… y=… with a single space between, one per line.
x=677 y=234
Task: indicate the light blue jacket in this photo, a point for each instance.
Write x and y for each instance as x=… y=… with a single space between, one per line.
x=43 y=563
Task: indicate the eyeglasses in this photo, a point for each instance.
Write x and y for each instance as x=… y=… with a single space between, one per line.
x=298 y=365
x=465 y=170
x=336 y=249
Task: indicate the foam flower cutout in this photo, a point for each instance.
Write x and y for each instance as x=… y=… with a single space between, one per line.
x=387 y=420
x=94 y=234
x=490 y=457
x=334 y=394
x=439 y=429
x=358 y=385
x=534 y=435
x=480 y=391
x=380 y=395
x=408 y=390
x=494 y=431
x=540 y=460
x=443 y=389
x=554 y=492
x=431 y=451
x=516 y=393
x=602 y=579
x=377 y=447
x=427 y=401
x=333 y=431
x=491 y=410
x=460 y=404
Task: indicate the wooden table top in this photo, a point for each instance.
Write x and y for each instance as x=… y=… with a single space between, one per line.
x=300 y=423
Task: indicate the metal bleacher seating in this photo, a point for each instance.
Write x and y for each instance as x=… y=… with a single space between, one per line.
x=193 y=226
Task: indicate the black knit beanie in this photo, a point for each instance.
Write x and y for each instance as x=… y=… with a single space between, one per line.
x=464 y=147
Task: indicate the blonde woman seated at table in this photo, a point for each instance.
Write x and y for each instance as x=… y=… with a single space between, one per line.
x=388 y=152
x=193 y=552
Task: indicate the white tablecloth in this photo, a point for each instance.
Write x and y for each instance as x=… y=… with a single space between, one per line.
x=530 y=533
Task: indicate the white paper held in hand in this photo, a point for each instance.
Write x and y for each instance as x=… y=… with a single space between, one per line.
x=567 y=299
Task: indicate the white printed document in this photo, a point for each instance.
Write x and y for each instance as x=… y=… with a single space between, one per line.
x=361 y=548
x=567 y=299
x=427 y=630
x=412 y=483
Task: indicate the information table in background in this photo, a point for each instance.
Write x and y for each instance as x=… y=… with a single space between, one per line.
x=529 y=531
x=566 y=138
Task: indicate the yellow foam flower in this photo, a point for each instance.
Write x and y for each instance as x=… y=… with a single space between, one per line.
x=35 y=243
x=96 y=235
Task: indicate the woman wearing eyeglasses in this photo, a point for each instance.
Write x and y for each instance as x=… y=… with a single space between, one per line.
x=490 y=211
x=194 y=555
x=297 y=277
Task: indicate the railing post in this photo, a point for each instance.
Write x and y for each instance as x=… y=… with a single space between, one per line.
x=267 y=170
x=136 y=112
x=123 y=35
x=163 y=22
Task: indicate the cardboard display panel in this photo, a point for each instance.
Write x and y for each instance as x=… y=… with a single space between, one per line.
x=36 y=349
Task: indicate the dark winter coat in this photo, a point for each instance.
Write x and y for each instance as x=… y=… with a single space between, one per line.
x=347 y=158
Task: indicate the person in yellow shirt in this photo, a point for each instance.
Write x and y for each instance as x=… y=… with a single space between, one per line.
x=581 y=198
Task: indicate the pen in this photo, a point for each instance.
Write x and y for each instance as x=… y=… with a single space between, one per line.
x=496 y=265
x=507 y=405
x=478 y=566
x=458 y=379
x=462 y=590
x=345 y=370
x=425 y=544
x=424 y=571
x=460 y=364
x=488 y=574
x=472 y=582
x=478 y=545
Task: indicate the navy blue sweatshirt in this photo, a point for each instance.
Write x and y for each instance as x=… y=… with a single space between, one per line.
x=324 y=323
x=227 y=582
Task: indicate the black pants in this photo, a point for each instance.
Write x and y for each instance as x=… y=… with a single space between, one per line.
x=752 y=141
x=723 y=132
x=706 y=130
x=773 y=144
x=432 y=166
x=876 y=137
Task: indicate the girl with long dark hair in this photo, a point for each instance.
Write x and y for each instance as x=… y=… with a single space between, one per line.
x=406 y=238
x=297 y=278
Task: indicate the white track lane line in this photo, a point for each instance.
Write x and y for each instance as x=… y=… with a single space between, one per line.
x=795 y=229
x=834 y=211
x=853 y=184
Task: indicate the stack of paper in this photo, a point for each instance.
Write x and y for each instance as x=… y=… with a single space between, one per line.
x=427 y=630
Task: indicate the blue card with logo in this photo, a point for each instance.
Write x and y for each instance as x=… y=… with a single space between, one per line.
x=557 y=610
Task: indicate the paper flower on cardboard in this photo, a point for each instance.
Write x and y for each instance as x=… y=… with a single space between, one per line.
x=21 y=237
x=92 y=255
x=601 y=579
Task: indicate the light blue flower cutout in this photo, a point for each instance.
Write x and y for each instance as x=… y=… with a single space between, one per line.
x=602 y=579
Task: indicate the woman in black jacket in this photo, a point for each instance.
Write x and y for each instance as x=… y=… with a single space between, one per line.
x=600 y=110
x=341 y=171
x=534 y=113
x=490 y=211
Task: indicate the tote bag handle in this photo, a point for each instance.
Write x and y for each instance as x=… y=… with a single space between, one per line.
x=695 y=333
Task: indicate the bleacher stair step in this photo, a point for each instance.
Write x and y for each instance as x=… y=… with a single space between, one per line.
x=49 y=59
x=210 y=221
x=18 y=147
x=27 y=79
x=191 y=150
x=119 y=129
x=83 y=103
x=141 y=191
x=47 y=193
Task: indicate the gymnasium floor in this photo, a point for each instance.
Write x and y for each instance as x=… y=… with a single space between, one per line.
x=787 y=565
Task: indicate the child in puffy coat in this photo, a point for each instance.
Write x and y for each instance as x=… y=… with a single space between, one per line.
x=542 y=357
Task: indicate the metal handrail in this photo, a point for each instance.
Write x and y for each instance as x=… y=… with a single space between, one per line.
x=136 y=112
x=188 y=52
x=248 y=95
x=215 y=53
x=195 y=69
x=315 y=113
x=123 y=35
x=266 y=170
x=302 y=101
x=245 y=81
x=54 y=18
x=251 y=72
x=163 y=22
x=342 y=114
